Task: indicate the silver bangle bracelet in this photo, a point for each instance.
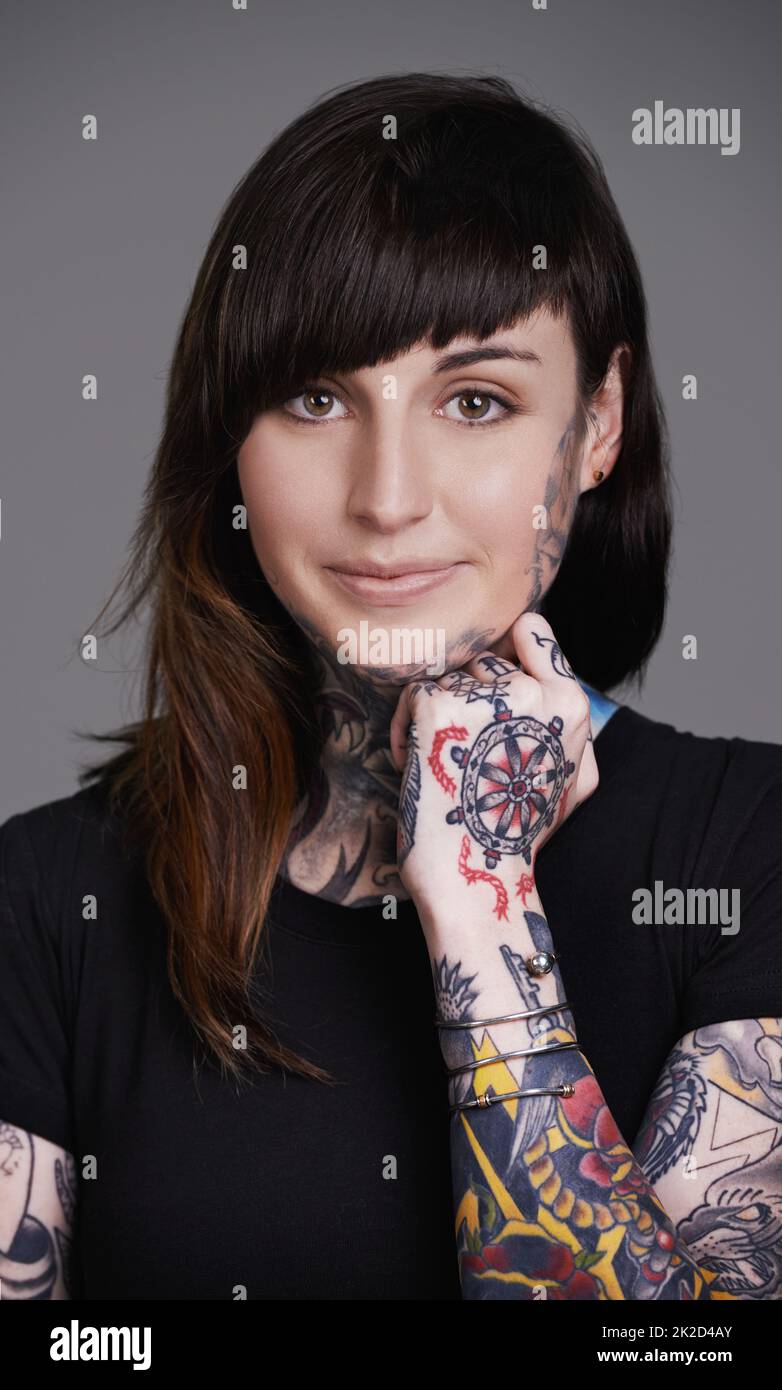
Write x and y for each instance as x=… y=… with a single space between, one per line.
x=505 y=1018
x=484 y=1101
x=500 y=1056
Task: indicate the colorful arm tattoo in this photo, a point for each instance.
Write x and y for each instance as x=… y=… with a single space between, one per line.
x=549 y=1200
x=711 y=1142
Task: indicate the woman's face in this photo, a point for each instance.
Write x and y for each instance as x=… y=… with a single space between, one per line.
x=472 y=470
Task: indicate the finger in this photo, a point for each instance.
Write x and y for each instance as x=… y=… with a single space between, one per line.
x=463 y=681
x=539 y=651
x=487 y=666
x=402 y=718
x=488 y=669
x=397 y=733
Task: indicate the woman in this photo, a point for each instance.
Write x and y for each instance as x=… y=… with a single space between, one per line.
x=408 y=522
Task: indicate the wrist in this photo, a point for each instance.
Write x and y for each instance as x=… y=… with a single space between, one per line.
x=469 y=915
x=501 y=1008
x=506 y=1056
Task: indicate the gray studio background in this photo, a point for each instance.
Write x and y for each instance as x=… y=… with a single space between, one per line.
x=102 y=241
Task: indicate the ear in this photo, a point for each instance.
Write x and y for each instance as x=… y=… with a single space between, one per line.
x=604 y=434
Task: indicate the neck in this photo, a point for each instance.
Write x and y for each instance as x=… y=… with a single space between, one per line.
x=343 y=842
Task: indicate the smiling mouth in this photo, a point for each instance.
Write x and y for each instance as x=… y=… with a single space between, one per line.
x=395 y=589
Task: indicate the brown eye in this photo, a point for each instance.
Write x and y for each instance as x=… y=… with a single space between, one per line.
x=477 y=404
x=312 y=404
x=317 y=403
x=476 y=407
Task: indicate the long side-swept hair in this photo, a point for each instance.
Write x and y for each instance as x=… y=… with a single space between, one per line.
x=394 y=211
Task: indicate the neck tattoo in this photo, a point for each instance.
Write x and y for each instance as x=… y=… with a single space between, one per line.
x=342 y=845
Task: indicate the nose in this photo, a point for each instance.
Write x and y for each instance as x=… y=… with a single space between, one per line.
x=391 y=478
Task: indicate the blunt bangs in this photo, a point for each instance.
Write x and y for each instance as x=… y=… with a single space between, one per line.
x=360 y=247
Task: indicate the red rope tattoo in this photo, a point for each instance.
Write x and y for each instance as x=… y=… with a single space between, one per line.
x=483 y=876
x=434 y=760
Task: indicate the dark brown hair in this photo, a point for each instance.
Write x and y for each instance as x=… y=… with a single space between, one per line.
x=358 y=247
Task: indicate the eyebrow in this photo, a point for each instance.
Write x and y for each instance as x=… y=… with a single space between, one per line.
x=485 y=354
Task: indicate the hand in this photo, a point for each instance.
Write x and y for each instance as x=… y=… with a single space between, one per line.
x=496 y=757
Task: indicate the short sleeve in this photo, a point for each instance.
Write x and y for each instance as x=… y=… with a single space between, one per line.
x=740 y=973
x=34 y=1047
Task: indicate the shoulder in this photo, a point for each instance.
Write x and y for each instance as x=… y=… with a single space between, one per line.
x=711 y=804
x=45 y=849
x=51 y=857
x=714 y=794
x=633 y=736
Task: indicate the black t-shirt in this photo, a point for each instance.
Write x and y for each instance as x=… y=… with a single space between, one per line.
x=294 y=1189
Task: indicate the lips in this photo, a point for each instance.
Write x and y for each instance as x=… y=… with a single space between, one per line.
x=403 y=567
x=395 y=589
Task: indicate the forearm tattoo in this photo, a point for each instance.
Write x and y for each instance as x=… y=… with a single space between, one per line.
x=715 y=1117
x=549 y=1200
x=36 y=1260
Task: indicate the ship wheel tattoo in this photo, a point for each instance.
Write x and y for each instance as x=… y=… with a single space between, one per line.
x=514 y=776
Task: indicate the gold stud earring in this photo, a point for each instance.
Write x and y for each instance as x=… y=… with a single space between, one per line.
x=598 y=475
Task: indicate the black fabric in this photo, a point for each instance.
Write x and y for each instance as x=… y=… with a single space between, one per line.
x=280 y=1187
